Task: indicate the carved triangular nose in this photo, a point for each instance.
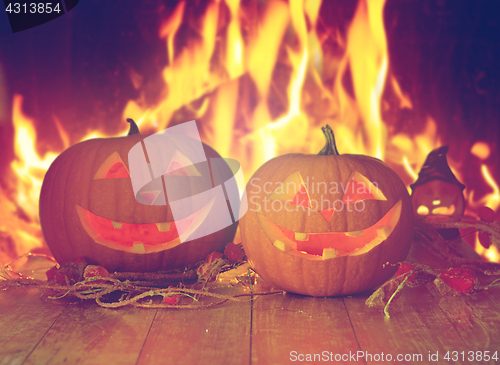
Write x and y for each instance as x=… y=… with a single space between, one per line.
x=327 y=213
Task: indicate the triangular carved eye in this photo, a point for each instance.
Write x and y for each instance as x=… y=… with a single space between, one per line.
x=180 y=165
x=112 y=168
x=302 y=197
x=150 y=196
x=292 y=190
x=360 y=188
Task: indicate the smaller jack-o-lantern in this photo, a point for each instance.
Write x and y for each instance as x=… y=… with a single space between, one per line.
x=437 y=194
x=88 y=208
x=326 y=224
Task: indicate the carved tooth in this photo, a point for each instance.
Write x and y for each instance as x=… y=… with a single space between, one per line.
x=354 y=233
x=280 y=245
x=138 y=247
x=329 y=253
x=117 y=225
x=383 y=232
x=163 y=226
x=301 y=236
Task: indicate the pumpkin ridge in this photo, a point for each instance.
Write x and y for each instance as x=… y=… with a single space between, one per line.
x=349 y=226
x=66 y=217
x=87 y=170
x=380 y=253
x=305 y=275
x=341 y=179
x=93 y=167
x=47 y=201
x=374 y=171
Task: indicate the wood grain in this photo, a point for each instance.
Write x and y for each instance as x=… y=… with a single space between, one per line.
x=88 y=334
x=417 y=327
x=217 y=335
x=475 y=317
x=287 y=326
x=24 y=320
x=270 y=329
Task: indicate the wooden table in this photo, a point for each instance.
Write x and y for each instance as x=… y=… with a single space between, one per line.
x=273 y=329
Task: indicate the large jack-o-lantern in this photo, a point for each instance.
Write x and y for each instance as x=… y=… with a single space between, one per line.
x=326 y=224
x=88 y=209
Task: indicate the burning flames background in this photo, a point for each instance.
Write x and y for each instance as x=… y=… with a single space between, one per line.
x=393 y=79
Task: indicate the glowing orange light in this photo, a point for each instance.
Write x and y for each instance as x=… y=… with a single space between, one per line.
x=481 y=150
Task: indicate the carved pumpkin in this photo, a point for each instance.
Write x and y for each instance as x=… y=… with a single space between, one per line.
x=326 y=224
x=88 y=209
x=437 y=192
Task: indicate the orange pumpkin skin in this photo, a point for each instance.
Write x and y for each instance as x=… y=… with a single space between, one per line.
x=69 y=182
x=310 y=274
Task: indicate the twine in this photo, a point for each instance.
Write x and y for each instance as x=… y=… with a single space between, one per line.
x=138 y=289
x=134 y=293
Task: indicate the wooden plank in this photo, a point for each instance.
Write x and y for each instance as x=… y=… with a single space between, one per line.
x=24 y=320
x=417 y=327
x=476 y=318
x=424 y=322
x=88 y=334
x=217 y=335
x=288 y=327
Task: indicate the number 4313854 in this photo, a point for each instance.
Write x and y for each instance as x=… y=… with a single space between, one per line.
x=32 y=8
x=471 y=356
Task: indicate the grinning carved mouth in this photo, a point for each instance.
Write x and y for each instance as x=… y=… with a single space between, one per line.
x=140 y=238
x=323 y=246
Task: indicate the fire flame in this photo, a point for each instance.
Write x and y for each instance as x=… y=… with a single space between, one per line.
x=262 y=84
x=491 y=200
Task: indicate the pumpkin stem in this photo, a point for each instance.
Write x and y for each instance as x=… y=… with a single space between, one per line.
x=134 y=129
x=330 y=148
